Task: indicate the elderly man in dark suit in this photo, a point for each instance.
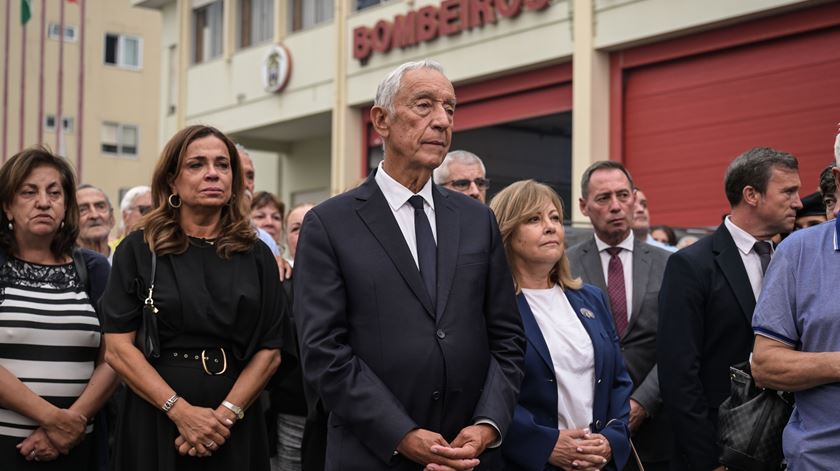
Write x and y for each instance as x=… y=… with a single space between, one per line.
x=409 y=329
x=708 y=297
x=630 y=272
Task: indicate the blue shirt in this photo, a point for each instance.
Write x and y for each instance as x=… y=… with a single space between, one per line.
x=798 y=307
x=266 y=237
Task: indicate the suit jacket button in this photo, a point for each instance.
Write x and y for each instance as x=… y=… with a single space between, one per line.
x=598 y=424
x=441 y=334
x=599 y=380
x=436 y=395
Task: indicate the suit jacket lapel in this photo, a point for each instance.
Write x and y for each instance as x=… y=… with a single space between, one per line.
x=379 y=219
x=591 y=326
x=533 y=332
x=641 y=276
x=729 y=260
x=448 y=236
x=592 y=269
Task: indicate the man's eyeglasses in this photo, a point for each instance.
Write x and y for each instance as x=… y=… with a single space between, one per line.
x=463 y=184
x=142 y=209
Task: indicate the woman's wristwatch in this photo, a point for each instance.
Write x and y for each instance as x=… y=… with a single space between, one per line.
x=240 y=414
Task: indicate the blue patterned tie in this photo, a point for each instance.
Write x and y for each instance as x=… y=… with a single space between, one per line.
x=426 y=247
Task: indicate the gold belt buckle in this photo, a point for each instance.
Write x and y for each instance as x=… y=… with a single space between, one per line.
x=224 y=363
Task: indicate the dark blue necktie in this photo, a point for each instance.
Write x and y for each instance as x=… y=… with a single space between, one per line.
x=426 y=247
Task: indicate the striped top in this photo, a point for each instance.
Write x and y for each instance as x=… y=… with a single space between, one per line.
x=49 y=335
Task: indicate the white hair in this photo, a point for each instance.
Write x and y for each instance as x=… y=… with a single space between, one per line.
x=463 y=157
x=388 y=87
x=837 y=150
x=130 y=195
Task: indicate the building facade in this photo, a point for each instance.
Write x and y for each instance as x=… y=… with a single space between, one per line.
x=91 y=97
x=673 y=88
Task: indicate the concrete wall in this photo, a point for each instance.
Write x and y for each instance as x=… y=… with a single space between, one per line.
x=305 y=168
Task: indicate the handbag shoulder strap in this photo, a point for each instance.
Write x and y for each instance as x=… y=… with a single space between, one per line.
x=149 y=299
x=81 y=268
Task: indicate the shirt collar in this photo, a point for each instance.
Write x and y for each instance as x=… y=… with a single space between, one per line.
x=396 y=194
x=626 y=244
x=743 y=239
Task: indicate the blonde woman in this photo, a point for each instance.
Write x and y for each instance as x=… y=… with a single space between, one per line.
x=574 y=405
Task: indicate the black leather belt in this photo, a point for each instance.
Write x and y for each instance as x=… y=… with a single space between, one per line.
x=214 y=361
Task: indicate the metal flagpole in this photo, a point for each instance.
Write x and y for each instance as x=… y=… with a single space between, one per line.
x=59 y=115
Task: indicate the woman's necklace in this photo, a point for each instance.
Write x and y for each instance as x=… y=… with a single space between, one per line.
x=203 y=240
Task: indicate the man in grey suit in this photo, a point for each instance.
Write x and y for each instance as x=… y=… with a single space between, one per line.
x=630 y=272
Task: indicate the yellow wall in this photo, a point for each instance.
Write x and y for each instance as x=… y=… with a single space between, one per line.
x=110 y=93
x=227 y=92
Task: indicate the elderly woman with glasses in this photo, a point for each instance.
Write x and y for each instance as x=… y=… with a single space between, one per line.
x=53 y=378
x=215 y=291
x=574 y=403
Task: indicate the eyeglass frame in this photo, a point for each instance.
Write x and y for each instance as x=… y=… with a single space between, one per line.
x=140 y=208
x=463 y=184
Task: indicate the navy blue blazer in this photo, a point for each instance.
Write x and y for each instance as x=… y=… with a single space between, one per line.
x=384 y=358
x=534 y=432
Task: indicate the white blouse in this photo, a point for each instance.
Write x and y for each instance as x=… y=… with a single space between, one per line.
x=571 y=353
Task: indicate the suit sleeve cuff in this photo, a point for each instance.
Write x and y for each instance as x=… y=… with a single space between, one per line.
x=498 y=442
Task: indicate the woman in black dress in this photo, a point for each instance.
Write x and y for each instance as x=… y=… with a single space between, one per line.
x=220 y=317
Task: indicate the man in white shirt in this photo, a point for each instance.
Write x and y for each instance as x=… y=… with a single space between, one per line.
x=708 y=296
x=630 y=272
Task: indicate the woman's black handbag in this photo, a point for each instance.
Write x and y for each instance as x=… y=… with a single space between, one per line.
x=750 y=424
x=147 y=339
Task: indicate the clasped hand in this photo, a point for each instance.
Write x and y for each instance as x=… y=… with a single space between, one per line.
x=580 y=450
x=202 y=430
x=59 y=434
x=432 y=450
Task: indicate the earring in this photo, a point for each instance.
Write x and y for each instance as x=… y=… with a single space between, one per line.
x=11 y=226
x=174 y=203
x=61 y=226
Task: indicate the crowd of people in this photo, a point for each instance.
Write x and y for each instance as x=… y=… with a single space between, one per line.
x=407 y=323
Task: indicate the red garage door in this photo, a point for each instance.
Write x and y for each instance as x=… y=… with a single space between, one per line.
x=686 y=118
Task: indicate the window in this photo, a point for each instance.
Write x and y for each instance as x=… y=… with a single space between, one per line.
x=305 y=14
x=54 y=32
x=207 y=30
x=68 y=123
x=256 y=22
x=120 y=139
x=123 y=51
x=362 y=4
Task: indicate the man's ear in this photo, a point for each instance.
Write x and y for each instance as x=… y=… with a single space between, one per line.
x=836 y=173
x=750 y=195
x=582 y=204
x=379 y=119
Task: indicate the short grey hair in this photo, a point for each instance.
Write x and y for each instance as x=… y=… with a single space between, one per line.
x=130 y=195
x=462 y=157
x=837 y=150
x=602 y=165
x=388 y=87
x=88 y=186
x=241 y=149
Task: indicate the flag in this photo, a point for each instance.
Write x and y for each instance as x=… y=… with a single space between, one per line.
x=25 y=11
